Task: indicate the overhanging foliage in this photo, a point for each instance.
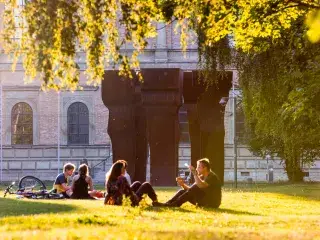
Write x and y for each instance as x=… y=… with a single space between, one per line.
x=52 y=32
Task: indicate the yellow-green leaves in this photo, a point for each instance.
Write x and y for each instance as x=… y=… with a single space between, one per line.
x=47 y=35
x=54 y=32
x=313 y=23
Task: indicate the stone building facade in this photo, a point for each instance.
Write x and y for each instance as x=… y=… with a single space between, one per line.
x=51 y=146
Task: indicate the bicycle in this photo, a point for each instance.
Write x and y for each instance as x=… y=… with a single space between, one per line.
x=33 y=188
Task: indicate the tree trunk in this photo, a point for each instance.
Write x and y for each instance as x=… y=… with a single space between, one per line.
x=293 y=169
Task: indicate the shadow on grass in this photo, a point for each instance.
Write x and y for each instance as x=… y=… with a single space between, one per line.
x=165 y=209
x=231 y=211
x=217 y=210
x=13 y=207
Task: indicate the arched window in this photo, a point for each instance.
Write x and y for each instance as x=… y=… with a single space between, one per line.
x=21 y=124
x=78 y=124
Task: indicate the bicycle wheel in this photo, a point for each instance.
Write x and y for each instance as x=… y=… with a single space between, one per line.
x=31 y=182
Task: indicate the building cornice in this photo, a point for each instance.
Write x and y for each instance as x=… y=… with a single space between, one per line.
x=38 y=89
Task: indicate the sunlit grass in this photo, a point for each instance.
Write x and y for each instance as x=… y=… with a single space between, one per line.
x=250 y=212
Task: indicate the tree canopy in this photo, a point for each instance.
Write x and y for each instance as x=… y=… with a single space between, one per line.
x=281 y=96
x=52 y=32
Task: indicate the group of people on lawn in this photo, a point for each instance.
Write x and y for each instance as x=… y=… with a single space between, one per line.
x=205 y=191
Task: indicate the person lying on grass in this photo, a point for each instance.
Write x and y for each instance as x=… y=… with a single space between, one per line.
x=205 y=192
x=117 y=186
x=82 y=186
x=61 y=183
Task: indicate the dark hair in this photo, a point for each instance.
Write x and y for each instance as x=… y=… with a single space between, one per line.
x=125 y=163
x=84 y=161
x=83 y=170
x=68 y=166
x=205 y=162
x=115 y=171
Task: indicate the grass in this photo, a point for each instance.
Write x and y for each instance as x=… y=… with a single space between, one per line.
x=251 y=212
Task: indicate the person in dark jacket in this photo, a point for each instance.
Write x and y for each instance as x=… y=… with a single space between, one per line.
x=206 y=191
x=82 y=186
x=117 y=186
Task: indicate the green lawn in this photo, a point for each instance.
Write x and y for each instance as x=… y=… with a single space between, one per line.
x=251 y=212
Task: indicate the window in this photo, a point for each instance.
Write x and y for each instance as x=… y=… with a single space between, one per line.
x=21 y=124
x=78 y=124
x=245 y=174
x=184 y=126
x=240 y=125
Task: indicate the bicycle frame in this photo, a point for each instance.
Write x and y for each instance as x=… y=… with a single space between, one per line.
x=30 y=194
x=8 y=189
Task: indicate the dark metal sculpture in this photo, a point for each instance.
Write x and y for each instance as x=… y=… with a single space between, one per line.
x=147 y=113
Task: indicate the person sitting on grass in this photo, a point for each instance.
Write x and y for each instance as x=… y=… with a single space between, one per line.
x=205 y=192
x=82 y=186
x=127 y=176
x=61 y=183
x=117 y=186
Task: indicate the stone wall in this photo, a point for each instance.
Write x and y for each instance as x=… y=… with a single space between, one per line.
x=250 y=167
x=254 y=168
x=42 y=161
x=46 y=110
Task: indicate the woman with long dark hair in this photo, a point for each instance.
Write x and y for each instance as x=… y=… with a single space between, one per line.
x=117 y=186
x=82 y=186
